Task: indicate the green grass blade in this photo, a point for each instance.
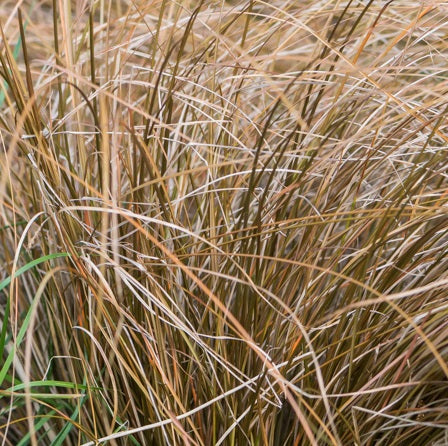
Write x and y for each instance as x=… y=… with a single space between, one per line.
x=63 y=434
x=43 y=419
x=24 y=327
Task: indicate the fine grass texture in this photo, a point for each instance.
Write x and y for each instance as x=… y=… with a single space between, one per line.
x=223 y=222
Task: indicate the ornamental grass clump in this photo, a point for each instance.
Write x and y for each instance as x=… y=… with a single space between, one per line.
x=223 y=223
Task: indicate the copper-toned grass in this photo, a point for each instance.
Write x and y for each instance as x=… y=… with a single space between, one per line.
x=223 y=223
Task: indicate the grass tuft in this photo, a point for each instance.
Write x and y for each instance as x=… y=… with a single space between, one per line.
x=223 y=223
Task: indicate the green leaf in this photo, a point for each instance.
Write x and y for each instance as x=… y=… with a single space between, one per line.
x=59 y=440
x=26 y=322
x=26 y=439
x=51 y=383
x=4 y=283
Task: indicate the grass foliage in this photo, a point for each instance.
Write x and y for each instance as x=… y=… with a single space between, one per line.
x=223 y=222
